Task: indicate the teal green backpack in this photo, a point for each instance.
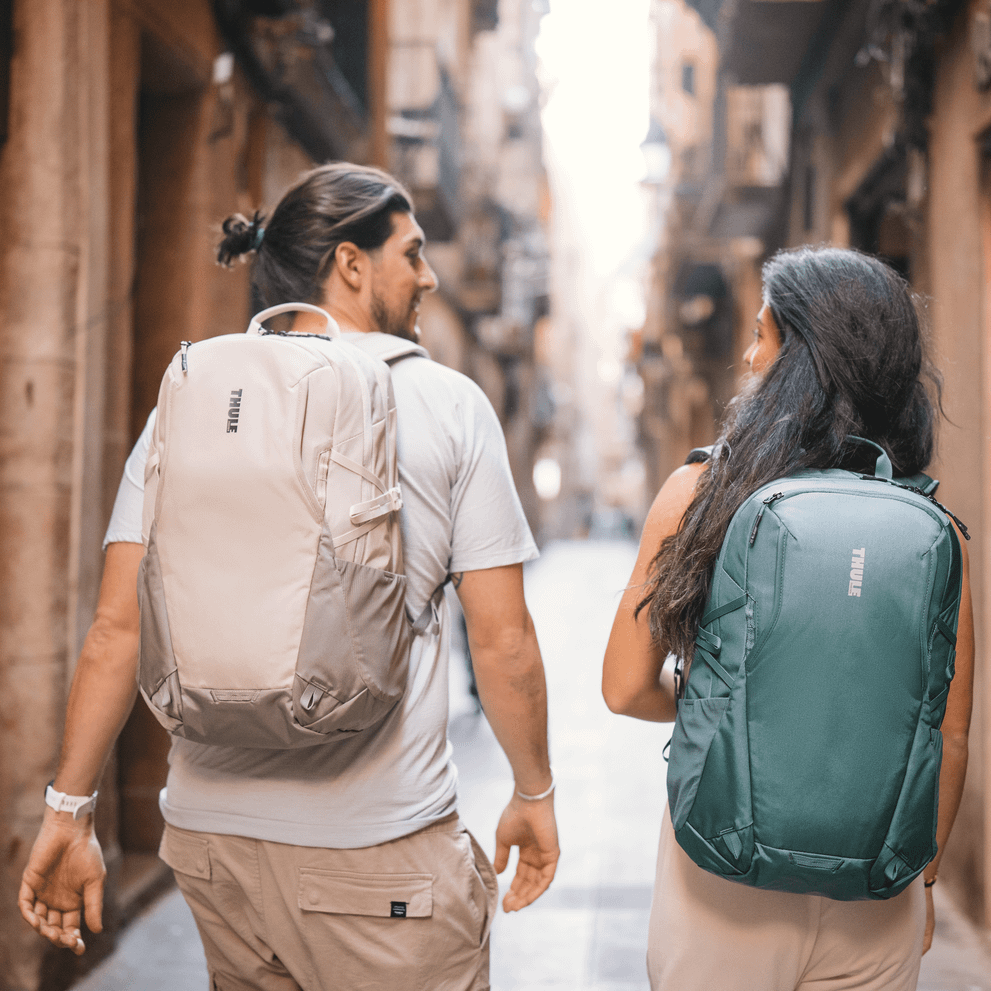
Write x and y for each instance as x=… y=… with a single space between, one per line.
x=806 y=752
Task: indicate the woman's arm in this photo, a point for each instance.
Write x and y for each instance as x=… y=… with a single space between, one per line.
x=955 y=728
x=632 y=684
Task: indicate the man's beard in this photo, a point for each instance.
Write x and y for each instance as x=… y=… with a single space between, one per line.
x=388 y=325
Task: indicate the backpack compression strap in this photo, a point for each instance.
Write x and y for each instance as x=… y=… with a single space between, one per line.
x=708 y=645
x=392 y=349
x=430 y=610
x=366 y=515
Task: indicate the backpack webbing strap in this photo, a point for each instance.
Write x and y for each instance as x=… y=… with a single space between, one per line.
x=709 y=654
x=388 y=501
x=709 y=641
x=727 y=607
x=358 y=531
x=946 y=631
x=708 y=645
x=345 y=462
x=375 y=509
x=429 y=612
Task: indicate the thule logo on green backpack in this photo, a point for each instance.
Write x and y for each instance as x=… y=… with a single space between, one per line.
x=234 y=411
x=857 y=571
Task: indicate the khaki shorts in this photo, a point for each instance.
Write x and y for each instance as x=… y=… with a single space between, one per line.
x=410 y=914
x=709 y=933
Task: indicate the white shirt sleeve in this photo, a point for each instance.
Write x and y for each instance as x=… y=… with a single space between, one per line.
x=489 y=527
x=125 y=520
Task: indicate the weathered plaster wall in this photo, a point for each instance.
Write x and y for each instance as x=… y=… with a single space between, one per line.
x=958 y=260
x=123 y=157
x=53 y=305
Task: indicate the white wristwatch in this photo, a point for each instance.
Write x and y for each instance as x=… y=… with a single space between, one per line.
x=78 y=805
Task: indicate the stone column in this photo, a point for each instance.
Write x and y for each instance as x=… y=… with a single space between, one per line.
x=53 y=283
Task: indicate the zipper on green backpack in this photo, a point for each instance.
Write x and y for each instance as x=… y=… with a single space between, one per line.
x=760 y=515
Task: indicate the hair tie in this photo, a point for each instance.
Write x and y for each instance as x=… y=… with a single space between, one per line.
x=259 y=234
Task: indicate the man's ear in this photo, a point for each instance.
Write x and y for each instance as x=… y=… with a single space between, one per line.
x=351 y=262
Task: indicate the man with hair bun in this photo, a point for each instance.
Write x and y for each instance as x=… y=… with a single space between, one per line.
x=243 y=825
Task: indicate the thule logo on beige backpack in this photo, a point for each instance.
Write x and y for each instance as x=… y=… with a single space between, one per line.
x=857 y=571
x=234 y=411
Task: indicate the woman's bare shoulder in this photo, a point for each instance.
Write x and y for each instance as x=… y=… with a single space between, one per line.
x=671 y=501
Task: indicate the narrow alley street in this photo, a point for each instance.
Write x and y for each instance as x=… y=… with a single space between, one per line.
x=588 y=933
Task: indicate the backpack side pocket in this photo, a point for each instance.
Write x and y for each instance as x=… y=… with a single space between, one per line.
x=910 y=842
x=694 y=731
x=158 y=677
x=354 y=648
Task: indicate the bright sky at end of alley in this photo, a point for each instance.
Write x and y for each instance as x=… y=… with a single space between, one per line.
x=595 y=64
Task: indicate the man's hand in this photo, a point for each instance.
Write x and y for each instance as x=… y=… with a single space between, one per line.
x=64 y=874
x=927 y=940
x=65 y=870
x=530 y=826
x=513 y=693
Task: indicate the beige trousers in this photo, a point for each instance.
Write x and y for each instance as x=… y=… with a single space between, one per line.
x=410 y=914
x=711 y=934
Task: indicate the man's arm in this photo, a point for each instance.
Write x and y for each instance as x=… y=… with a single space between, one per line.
x=65 y=871
x=510 y=677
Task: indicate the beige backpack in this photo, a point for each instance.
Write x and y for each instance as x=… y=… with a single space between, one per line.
x=273 y=590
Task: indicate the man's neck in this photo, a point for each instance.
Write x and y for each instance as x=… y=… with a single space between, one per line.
x=348 y=321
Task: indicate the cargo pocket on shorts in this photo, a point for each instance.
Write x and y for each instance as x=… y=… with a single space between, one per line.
x=485 y=893
x=384 y=896
x=185 y=853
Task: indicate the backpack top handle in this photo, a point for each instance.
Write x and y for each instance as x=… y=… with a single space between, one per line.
x=882 y=468
x=255 y=327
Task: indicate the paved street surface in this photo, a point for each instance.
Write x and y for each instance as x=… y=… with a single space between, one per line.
x=588 y=933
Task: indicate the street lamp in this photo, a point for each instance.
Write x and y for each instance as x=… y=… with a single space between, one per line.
x=656 y=155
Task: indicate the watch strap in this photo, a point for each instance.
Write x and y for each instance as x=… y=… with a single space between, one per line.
x=78 y=805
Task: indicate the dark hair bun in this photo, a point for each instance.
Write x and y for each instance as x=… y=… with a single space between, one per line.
x=240 y=237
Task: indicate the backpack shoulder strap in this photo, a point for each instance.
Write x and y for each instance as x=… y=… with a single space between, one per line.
x=927 y=486
x=922 y=482
x=698 y=455
x=386 y=347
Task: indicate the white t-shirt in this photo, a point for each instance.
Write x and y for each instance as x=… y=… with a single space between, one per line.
x=460 y=513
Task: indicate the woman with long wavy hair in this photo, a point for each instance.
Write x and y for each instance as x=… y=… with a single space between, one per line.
x=838 y=351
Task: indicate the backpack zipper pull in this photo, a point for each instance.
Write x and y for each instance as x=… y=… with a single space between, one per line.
x=184 y=347
x=760 y=515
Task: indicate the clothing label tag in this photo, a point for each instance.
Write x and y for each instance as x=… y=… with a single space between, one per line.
x=398 y=910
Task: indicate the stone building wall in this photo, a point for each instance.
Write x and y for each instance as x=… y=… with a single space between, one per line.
x=958 y=263
x=679 y=411
x=122 y=155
